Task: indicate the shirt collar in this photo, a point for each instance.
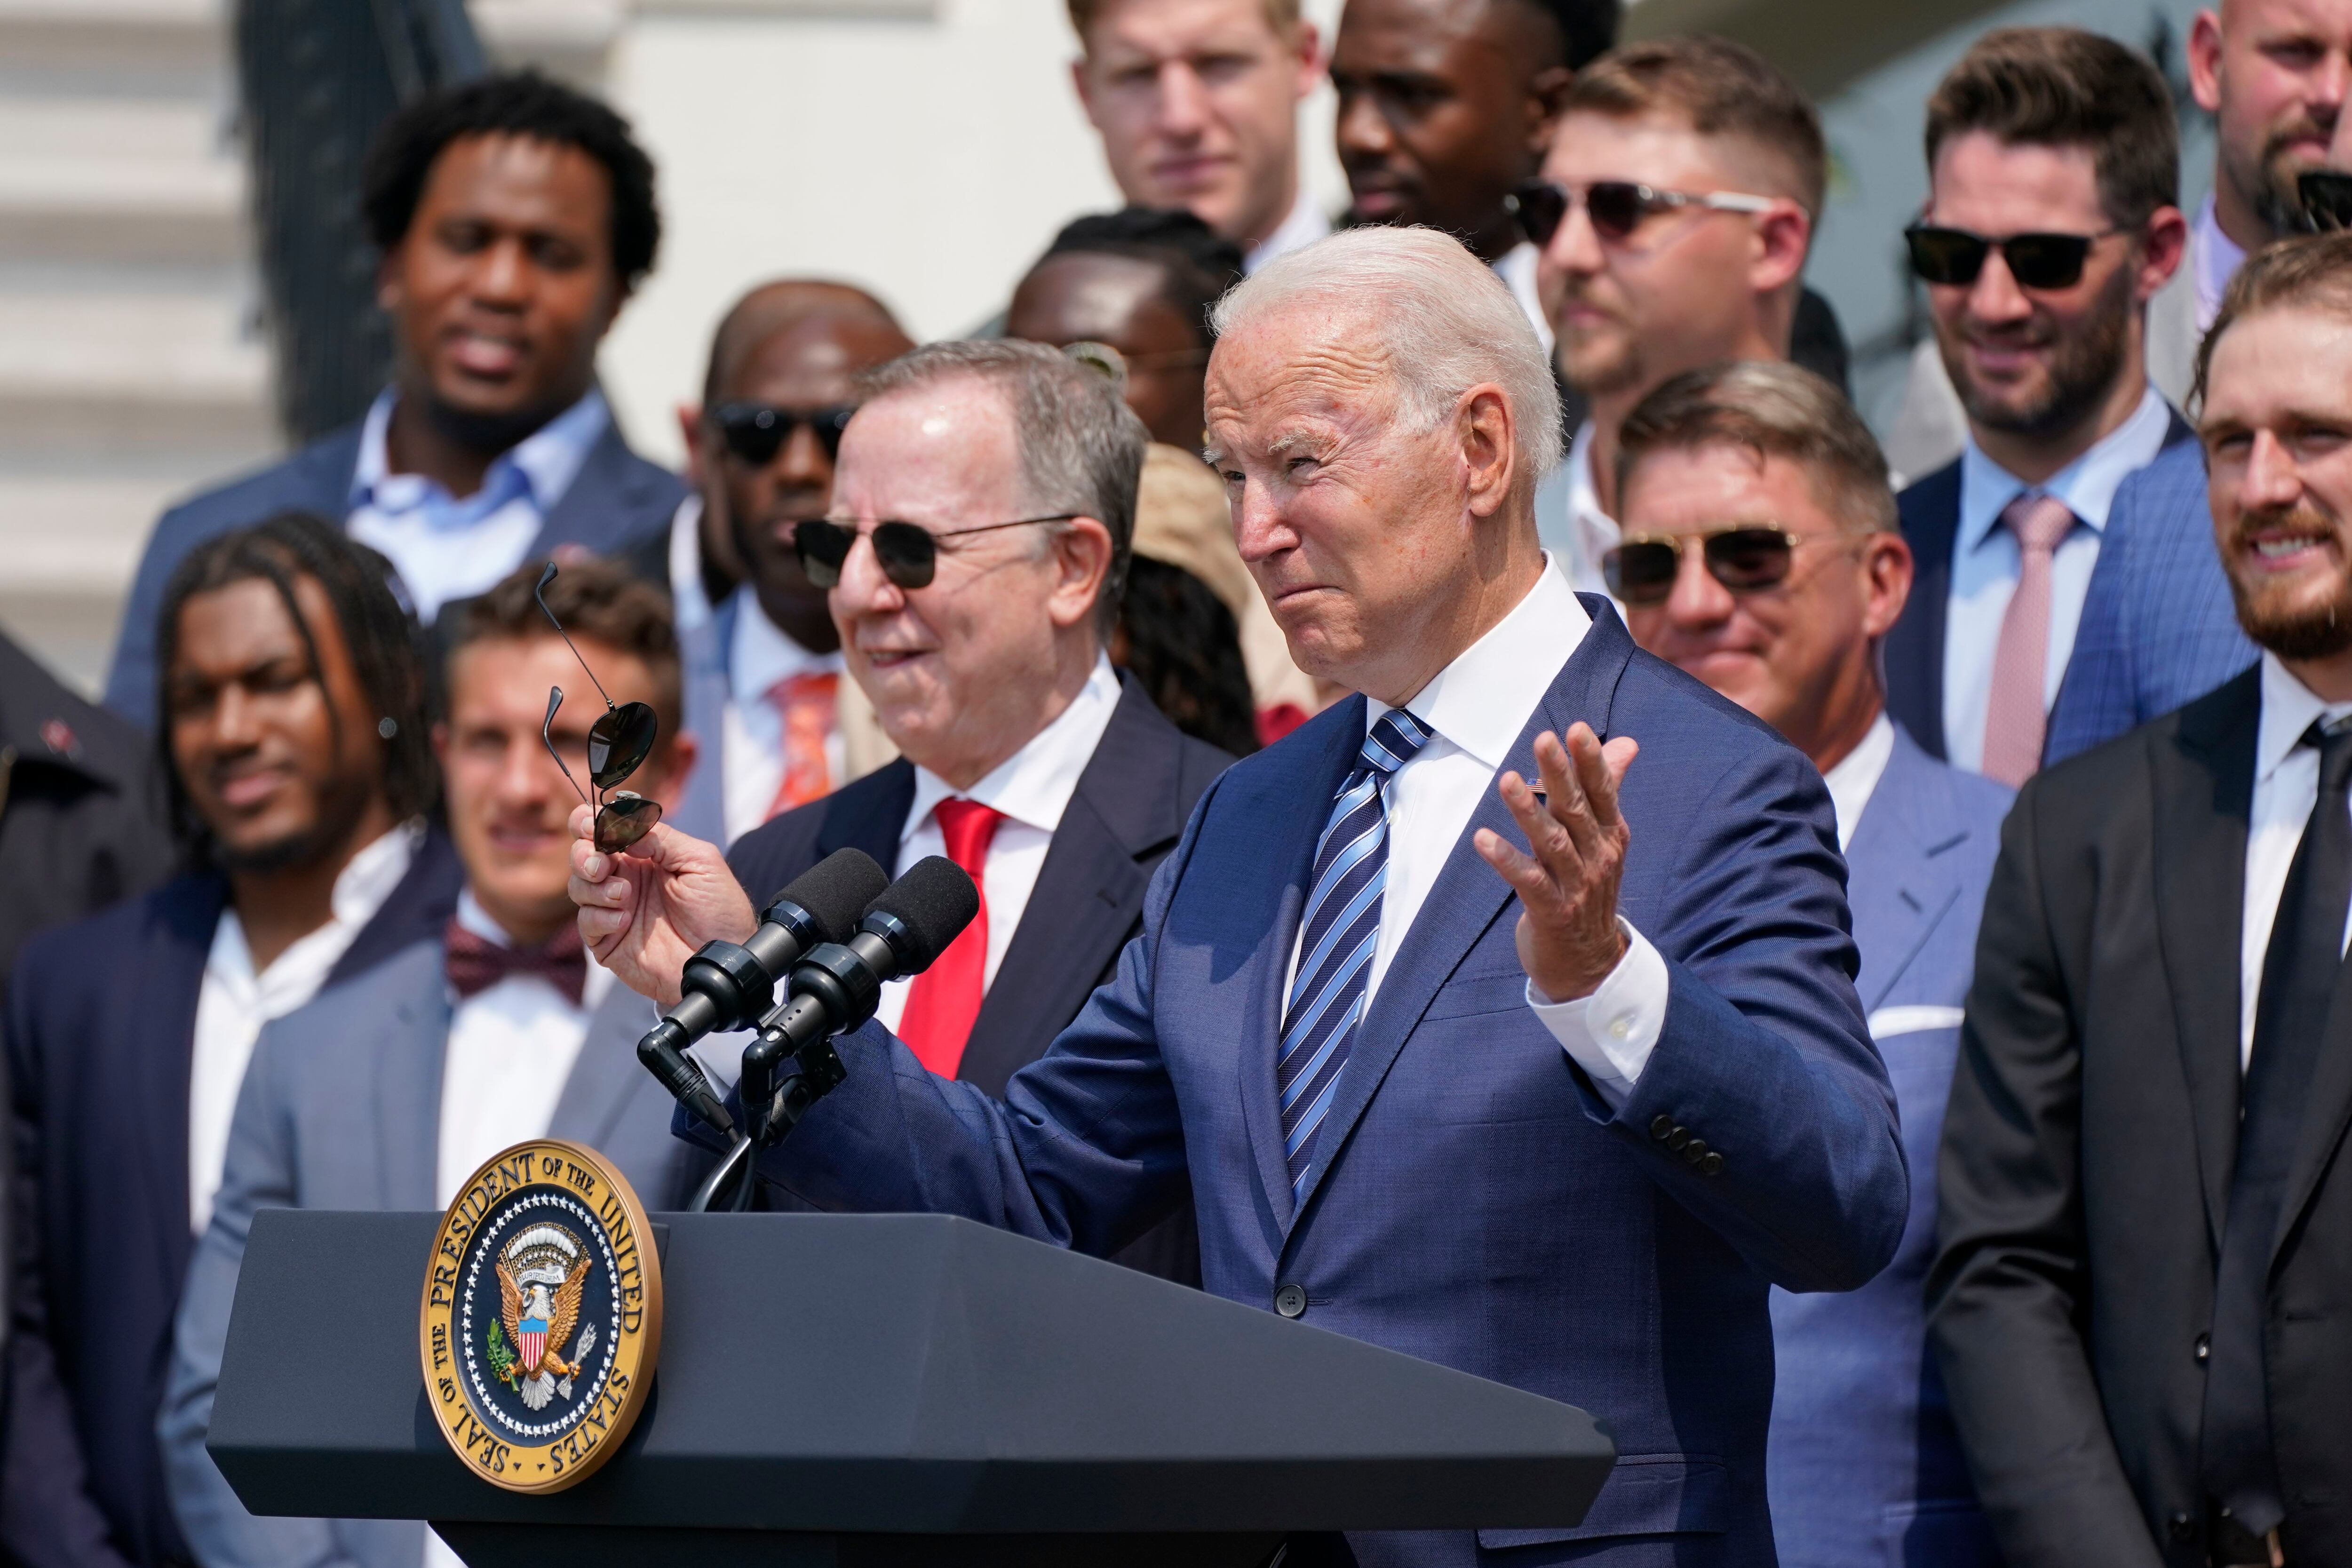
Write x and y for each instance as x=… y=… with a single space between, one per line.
x=2213 y=259
x=1481 y=701
x=1034 y=785
x=1853 y=778
x=541 y=466
x=361 y=888
x=1303 y=227
x=760 y=653
x=2288 y=708
x=2086 y=486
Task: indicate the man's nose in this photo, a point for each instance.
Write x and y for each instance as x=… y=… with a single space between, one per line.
x=1362 y=131
x=865 y=589
x=1576 y=248
x=1260 y=530
x=1183 y=99
x=1995 y=297
x=501 y=273
x=1697 y=601
x=802 y=462
x=2272 y=481
x=527 y=774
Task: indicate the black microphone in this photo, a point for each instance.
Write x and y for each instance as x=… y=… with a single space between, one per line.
x=727 y=984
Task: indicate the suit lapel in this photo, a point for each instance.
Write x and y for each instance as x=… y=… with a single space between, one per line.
x=1902 y=838
x=869 y=819
x=1915 y=649
x=2204 y=783
x=605 y=1074
x=1301 y=799
x=1089 y=894
x=408 y=1089
x=167 y=987
x=419 y=908
x=702 y=650
x=1468 y=895
x=609 y=493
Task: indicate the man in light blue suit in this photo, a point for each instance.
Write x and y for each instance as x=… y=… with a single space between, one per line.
x=388 y=1090
x=2159 y=628
x=1564 y=1140
x=1763 y=467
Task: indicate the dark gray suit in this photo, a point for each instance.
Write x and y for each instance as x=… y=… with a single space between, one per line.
x=342 y=1109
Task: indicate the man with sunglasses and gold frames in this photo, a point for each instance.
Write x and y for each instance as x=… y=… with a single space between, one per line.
x=2048 y=224
x=1673 y=211
x=1761 y=556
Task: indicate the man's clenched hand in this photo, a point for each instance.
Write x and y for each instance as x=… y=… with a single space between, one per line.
x=645 y=912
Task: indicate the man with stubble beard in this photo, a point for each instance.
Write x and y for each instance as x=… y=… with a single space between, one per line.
x=2141 y=1304
x=767 y=693
x=298 y=765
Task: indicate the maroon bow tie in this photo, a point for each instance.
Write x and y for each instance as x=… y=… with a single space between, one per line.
x=476 y=963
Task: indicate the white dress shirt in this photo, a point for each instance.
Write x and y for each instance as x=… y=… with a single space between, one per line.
x=1986 y=563
x=1032 y=788
x=1516 y=268
x=1570 y=521
x=759 y=655
x=2214 y=258
x=1853 y=778
x=1303 y=227
x=2286 y=785
x=509 y=1053
x=446 y=548
x=233 y=1002
x=689 y=603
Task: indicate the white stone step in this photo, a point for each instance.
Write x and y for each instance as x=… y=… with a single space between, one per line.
x=116 y=375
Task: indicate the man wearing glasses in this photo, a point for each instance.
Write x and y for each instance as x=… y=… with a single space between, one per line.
x=1761 y=556
x=2048 y=226
x=766 y=693
x=1674 y=209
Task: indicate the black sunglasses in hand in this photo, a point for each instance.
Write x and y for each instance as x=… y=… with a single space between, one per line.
x=1952 y=258
x=908 y=553
x=756 y=432
x=617 y=743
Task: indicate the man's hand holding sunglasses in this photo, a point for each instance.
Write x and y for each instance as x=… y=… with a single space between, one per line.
x=646 y=910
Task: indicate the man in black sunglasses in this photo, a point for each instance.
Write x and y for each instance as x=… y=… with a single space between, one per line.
x=766 y=692
x=2048 y=226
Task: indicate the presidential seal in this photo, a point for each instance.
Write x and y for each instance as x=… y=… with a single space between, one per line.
x=542 y=1315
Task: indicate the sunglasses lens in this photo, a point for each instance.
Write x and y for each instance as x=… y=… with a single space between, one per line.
x=1541 y=206
x=754 y=433
x=620 y=740
x=908 y=553
x=1950 y=258
x=1642 y=573
x=2326 y=195
x=828 y=424
x=1616 y=208
x=1748 y=558
x=2046 y=260
x=625 y=819
x=822 y=547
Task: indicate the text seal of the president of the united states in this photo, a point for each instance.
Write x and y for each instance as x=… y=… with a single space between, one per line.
x=542 y=1316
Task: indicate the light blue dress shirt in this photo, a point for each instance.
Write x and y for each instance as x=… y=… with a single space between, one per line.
x=1986 y=563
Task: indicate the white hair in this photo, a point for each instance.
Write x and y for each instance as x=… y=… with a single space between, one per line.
x=1446 y=321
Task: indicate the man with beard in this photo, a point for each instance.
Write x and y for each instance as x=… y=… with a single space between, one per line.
x=2141 y=1304
x=1674 y=210
x=2048 y=224
x=515 y=217
x=297 y=766
x=766 y=690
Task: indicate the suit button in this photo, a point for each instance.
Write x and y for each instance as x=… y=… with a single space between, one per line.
x=1290 y=1300
x=1662 y=1127
x=2182 y=1527
x=2204 y=1348
x=1712 y=1165
x=1678 y=1139
x=1695 y=1150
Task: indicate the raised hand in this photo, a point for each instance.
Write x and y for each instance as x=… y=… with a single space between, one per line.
x=1567 y=935
x=645 y=912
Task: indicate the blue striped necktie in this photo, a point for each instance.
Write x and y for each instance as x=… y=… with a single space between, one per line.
x=1342 y=927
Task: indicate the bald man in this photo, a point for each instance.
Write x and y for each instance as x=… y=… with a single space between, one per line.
x=766 y=690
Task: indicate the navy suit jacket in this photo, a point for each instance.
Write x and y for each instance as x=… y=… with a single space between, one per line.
x=1866 y=1467
x=1914 y=649
x=615 y=500
x=2159 y=629
x=101 y=1027
x=1475 y=1201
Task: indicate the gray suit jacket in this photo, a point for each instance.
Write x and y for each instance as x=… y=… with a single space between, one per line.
x=342 y=1109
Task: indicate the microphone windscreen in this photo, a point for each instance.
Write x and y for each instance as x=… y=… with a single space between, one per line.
x=934 y=900
x=838 y=890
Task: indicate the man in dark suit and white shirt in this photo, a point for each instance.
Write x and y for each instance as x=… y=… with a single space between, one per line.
x=2053 y=163
x=1563 y=1141
x=515 y=217
x=389 y=1089
x=2141 y=1303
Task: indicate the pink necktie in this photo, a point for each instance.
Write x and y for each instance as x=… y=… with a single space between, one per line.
x=2015 y=719
x=805 y=703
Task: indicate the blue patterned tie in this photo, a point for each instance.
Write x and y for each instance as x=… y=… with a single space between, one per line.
x=1342 y=927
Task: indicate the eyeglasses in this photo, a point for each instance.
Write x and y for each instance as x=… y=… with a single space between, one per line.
x=2327 y=198
x=756 y=432
x=1953 y=258
x=617 y=743
x=908 y=551
x=1745 y=557
x=1617 y=207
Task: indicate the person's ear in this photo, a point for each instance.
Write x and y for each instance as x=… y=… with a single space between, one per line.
x=2205 y=61
x=2163 y=246
x=1081 y=551
x=1084 y=86
x=1485 y=428
x=1783 y=234
x=698 y=463
x=1307 y=45
x=389 y=293
x=680 y=755
x=441 y=744
x=1886 y=570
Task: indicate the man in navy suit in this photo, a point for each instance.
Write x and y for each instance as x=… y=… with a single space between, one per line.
x=389 y=1089
x=1766 y=468
x=2053 y=163
x=1566 y=1146
x=516 y=217
x=297 y=765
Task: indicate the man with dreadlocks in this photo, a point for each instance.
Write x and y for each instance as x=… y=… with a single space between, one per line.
x=297 y=761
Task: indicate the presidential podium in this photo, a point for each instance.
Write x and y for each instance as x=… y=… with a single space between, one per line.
x=859 y=1391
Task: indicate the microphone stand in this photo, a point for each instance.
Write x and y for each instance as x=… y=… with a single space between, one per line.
x=774 y=1105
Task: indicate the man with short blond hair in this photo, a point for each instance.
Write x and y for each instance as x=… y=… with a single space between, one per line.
x=1197 y=105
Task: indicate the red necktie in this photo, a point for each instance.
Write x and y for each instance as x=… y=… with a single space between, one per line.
x=945 y=999
x=805 y=704
x=475 y=963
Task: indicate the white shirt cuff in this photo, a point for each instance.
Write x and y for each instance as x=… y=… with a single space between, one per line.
x=1612 y=1033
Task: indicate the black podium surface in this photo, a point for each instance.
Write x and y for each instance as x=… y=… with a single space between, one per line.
x=882 y=1389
